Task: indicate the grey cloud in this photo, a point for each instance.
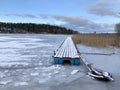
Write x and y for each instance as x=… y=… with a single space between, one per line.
x=44 y=16
x=30 y=16
x=73 y=22
x=104 y=8
x=80 y=23
x=103 y=11
x=22 y=15
x=106 y=3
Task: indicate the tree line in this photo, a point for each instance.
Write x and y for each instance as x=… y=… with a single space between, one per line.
x=34 y=28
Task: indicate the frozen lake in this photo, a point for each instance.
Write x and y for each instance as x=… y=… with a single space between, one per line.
x=25 y=60
x=25 y=64
x=27 y=50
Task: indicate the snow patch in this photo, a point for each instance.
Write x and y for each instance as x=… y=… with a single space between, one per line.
x=56 y=72
x=5 y=82
x=20 y=83
x=13 y=64
x=34 y=74
x=74 y=72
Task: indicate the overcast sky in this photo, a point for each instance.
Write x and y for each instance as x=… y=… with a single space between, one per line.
x=81 y=15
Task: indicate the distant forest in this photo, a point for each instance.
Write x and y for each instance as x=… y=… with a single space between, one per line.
x=34 y=28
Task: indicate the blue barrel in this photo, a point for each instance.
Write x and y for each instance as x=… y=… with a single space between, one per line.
x=72 y=62
x=77 y=62
x=60 y=61
x=56 y=61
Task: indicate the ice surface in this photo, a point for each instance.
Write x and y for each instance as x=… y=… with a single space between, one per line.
x=1 y=75
x=87 y=49
x=16 y=50
x=26 y=61
x=43 y=80
x=105 y=62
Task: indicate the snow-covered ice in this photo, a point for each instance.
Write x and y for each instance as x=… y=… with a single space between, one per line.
x=25 y=61
x=74 y=72
x=103 y=62
x=4 y=82
x=34 y=74
x=20 y=83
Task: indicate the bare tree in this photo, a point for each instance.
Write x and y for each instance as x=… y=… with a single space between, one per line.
x=117 y=28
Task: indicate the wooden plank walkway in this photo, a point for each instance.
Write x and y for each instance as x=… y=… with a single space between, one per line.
x=67 y=50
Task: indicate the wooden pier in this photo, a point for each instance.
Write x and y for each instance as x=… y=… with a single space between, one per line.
x=67 y=53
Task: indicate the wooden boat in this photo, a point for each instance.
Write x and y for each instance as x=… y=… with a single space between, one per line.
x=95 y=73
x=101 y=75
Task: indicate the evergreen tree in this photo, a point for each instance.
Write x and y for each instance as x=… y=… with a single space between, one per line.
x=33 y=28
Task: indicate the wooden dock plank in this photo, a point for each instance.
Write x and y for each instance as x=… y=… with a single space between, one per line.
x=67 y=50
